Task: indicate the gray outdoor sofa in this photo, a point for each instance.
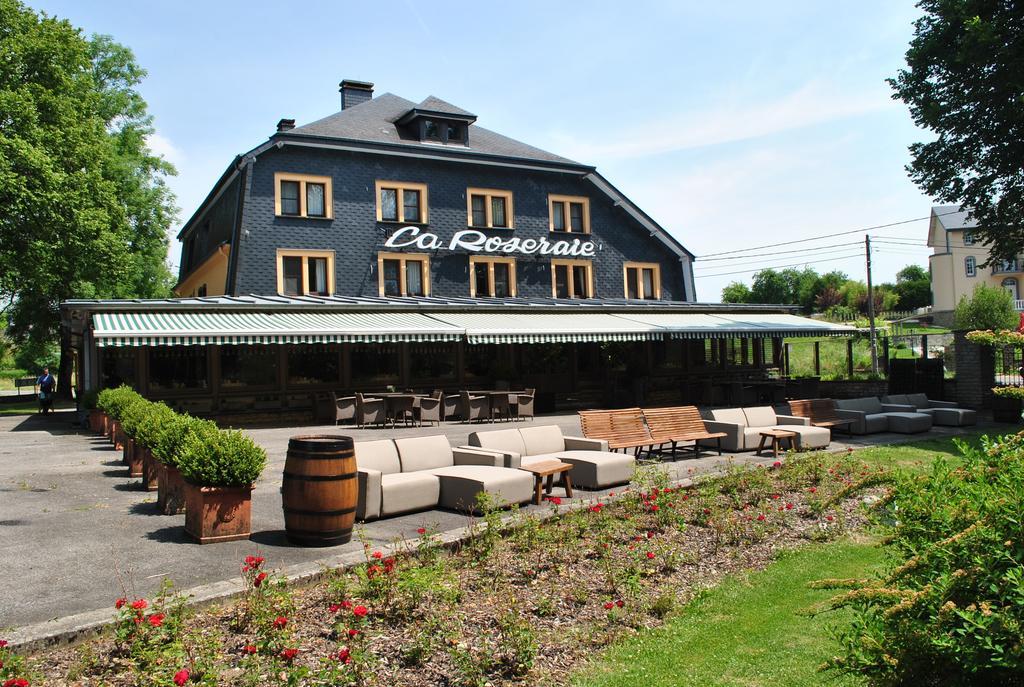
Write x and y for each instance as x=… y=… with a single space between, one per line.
x=398 y=476
x=743 y=427
x=870 y=415
x=944 y=413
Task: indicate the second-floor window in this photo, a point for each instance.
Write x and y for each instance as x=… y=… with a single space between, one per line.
x=399 y=201
x=403 y=274
x=305 y=273
x=968 y=238
x=302 y=195
x=571 y=279
x=492 y=277
x=970 y=266
x=643 y=280
x=489 y=208
x=569 y=213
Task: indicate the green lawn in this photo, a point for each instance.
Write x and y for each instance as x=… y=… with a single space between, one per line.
x=30 y=405
x=754 y=629
x=751 y=630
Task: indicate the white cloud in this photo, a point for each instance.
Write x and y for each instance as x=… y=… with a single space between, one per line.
x=738 y=120
x=162 y=146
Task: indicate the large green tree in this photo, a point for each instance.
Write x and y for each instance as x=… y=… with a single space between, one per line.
x=85 y=205
x=964 y=82
x=914 y=287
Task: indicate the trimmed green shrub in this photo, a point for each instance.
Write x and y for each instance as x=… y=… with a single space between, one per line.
x=114 y=401
x=149 y=424
x=951 y=611
x=133 y=414
x=169 y=437
x=225 y=458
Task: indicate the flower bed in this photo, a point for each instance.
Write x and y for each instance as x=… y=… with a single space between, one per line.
x=520 y=602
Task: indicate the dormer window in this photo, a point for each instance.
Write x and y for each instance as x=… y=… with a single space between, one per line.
x=431 y=130
x=455 y=133
x=436 y=121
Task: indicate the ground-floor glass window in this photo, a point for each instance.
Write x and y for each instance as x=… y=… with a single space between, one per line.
x=316 y=364
x=434 y=361
x=118 y=367
x=176 y=368
x=248 y=366
x=375 y=364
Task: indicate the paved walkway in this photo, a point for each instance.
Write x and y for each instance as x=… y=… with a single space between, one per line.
x=76 y=532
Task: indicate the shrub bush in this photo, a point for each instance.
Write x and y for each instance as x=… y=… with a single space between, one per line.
x=151 y=422
x=169 y=437
x=216 y=458
x=133 y=415
x=952 y=610
x=114 y=401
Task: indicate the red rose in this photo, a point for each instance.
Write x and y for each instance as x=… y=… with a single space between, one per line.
x=156 y=620
x=259 y=579
x=360 y=611
x=829 y=518
x=611 y=493
x=608 y=605
x=378 y=555
x=249 y=648
x=346 y=604
x=289 y=654
x=650 y=535
x=789 y=506
x=118 y=604
x=650 y=555
x=280 y=622
x=775 y=496
x=620 y=603
x=813 y=490
x=353 y=633
x=254 y=561
x=777 y=464
x=181 y=677
x=760 y=518
x=707 y=511
x=16 y=682
x=334 y=608
x=654 y=508
x=139 y=604
x=421 y=531
x=557 y=500
x=345 y=656
x=3 y=643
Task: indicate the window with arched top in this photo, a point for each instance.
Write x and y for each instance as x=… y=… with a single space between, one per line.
x=1010 y=284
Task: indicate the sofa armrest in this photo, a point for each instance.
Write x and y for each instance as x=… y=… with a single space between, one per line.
x=898 y=408
x=733 y=440
x=859 y=425
x=792 y=420
x=942 y=404
x=582 y=444
x=371 y=494
x=473 y=455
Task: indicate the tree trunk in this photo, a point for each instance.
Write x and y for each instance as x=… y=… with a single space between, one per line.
x=65 y=367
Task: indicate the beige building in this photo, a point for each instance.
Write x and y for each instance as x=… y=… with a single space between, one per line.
x=956 y=263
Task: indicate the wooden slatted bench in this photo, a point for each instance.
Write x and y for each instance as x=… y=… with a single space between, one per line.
x=622 y=429
x=821 y=412
x=680 y=423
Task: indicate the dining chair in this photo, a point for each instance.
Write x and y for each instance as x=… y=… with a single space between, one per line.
x=370 y=411
x=344 y=408
x=474 y=407
x=501 y=408
x=402 y=408
x=429 y=408
x=524 y=404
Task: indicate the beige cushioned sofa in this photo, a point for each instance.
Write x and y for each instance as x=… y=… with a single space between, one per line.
x=743 y=427
x=593 y=465
x=404 y=475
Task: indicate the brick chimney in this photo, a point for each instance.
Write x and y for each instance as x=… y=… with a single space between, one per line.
x=285 y=125
x=354 y=92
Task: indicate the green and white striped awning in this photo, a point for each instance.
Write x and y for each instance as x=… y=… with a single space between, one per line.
x=202 y=328
x=548 y=327
x=734 y=325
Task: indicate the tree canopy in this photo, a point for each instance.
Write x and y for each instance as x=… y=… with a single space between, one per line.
x=964 y=82
x=86 y=206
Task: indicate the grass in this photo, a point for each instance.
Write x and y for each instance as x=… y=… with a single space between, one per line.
x=754 y=629
x=30 y=406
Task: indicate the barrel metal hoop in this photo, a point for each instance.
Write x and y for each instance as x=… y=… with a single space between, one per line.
x=304 y=511
x=320 y=478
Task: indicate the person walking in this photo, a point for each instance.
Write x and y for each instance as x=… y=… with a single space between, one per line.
x=46 y=384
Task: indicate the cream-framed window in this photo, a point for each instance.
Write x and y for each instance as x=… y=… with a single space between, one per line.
x=492 y=277
x=303 y=195
x=569 y=214
x=572 y=279
x=401 y=201
x=488 y=208
x=305 y=272
x=642 y=280
x=403 y=274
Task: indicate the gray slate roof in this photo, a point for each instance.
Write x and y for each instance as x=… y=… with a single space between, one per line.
x=374 y=121
x=952 y=217
x=435 y=104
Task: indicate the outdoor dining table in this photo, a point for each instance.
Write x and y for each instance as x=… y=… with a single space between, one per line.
x=398 y=402
x=491 y=394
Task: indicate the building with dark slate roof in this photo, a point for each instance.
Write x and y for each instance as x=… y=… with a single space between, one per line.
x=402 y=244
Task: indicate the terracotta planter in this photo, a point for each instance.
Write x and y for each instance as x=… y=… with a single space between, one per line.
x=216 y=514
x=150 y=469
x=170 y=497
x=1006 y=409
x=107 y=422
x=133 y=458
x=96 y=420
x=116 y=435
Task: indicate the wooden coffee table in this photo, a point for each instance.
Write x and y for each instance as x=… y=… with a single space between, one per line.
x=777 y=436
x=548 y=469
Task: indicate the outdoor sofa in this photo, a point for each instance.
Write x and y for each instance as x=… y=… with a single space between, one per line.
x=593 y=465
x=743 y=427
x=419 y=473
x=944 y=413
x=870 y=415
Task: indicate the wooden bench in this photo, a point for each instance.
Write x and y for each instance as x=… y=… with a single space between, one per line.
x=821 y=412
x=622 y=429
x=24 y=381
x=680 y=423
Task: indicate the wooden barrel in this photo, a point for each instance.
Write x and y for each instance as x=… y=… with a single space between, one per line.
x=319 y=490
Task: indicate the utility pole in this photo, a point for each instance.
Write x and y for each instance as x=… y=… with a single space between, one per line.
x=871 y=307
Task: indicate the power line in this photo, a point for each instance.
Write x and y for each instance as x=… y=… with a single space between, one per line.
x=779 y=252
x=827 y=236
x=858 y=254
x=766 y=260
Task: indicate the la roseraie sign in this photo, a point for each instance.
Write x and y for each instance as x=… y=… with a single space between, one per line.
x=478 y=242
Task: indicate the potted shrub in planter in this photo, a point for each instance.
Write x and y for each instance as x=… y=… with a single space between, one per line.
x=117 y=400
x=147 y=429
x=165 y=448
x=219 y=468
x=90 y=402
x=1007 y=403
x=133 y=416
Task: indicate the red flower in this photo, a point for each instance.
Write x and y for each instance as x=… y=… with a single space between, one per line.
x=777 y=464
x=289 y=654
x=181 y=677
x=620 y=603
x=259 y=579
x=611 y=493
x=760 y=518
x=829 y=518
x=335 y=608
x=249 y=648
x=650 y=555
x=346 y=604
x=557 y=500
x=353 y=633
x=374 y=570
x=789 y=506
x=280 y=622
x=139 y=604
x=813 y=490
x=254 y=561
x=118 y=604
x=360 y=611
x=156 y=620
x=3 y=643
x=421 y=531
x=345 y=656
x=378 y=555
x=707 y=511
x=609 y=605
x=654 y=508
x=775 y=496
x=16 y=682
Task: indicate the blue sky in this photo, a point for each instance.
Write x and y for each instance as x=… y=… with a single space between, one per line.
x=733 y=124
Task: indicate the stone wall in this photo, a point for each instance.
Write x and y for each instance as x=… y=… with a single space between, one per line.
x=975 y=373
